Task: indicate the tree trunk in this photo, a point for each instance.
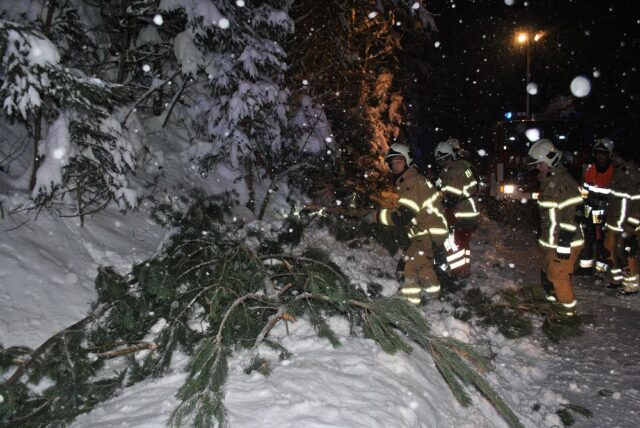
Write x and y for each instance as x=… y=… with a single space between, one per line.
x=37 y=130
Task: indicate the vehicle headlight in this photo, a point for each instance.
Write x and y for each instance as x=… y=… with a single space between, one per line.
x=508 y=188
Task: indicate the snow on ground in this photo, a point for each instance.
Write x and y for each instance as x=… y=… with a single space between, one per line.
x=48 y=266
x=46 y=283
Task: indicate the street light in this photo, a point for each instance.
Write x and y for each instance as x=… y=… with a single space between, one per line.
x=523 y=38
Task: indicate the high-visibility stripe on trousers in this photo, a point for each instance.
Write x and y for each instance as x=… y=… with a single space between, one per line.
x=419 y=272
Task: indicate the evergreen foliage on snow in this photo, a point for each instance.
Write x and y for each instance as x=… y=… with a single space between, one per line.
x=215 y=288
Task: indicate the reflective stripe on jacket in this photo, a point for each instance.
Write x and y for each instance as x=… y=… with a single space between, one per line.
x=459 y=185
x=596 y=185
x=624 y=200
x=559 y=197
x=418 y=196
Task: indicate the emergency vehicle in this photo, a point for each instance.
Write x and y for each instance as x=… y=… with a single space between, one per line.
x=510 y=178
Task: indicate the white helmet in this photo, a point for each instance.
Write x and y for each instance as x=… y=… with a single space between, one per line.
x=398 y=149
x=544 y=151
x=444 y=149
x=455 y=144
x=604 y=145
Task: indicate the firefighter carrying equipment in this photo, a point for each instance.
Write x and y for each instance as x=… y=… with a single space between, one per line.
x=420 y=208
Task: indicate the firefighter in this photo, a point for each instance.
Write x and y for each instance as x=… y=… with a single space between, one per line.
x=561 y=238
x=458 y=184
x=420 y=208
x=620 y=240
x=596 y=187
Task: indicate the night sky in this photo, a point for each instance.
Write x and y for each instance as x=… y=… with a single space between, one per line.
x=480 y=71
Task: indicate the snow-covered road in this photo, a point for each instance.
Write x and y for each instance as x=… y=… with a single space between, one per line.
x=599 y=370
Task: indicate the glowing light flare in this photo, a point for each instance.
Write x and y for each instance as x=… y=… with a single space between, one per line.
x=522 y=38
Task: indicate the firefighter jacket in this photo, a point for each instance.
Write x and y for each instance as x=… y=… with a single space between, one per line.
x=458 y=185
x=624 y=200
x=559 y=197
x=419 y=205
x=596 y=186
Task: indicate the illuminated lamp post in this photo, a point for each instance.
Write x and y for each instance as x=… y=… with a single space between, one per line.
x=524 y=38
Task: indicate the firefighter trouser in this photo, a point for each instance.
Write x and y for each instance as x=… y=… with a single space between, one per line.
x=419 y=273
x=593 y=254
x=459 y=260
x=622 y=249
x=462 y=236
x=558 y=272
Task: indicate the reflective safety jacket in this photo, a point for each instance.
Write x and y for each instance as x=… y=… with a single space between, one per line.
x=419 y=205
x=624 y=200
x=458 y=184
x=596 y=186
x=559 y=197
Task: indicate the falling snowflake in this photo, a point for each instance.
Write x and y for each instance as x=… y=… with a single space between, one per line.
x=223 y=23
x=58 y=153
x=509 y=2
x=415 y=6
x=157 y=19
x=533 y=134
x=372 y=14
x=580 y=86
x=532 y=89
x=240 y=3
x=146 y=68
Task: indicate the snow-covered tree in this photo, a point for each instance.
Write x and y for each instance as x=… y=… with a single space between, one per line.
x=81 y=154
x=349 y=55
x=228 y=61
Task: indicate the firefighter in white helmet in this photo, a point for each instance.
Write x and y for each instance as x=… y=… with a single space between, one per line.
x=457 y=181
x=420 y=208
x=560 y=236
